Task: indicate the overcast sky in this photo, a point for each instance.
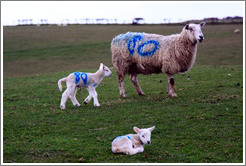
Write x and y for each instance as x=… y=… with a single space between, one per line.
x=123 y=11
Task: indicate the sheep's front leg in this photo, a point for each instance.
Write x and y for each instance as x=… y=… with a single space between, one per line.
x=136 y=85
x=171 y=86
x=93 y=93
x=121 y=85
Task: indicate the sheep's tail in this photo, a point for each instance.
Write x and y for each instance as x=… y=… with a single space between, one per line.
x=60 y=83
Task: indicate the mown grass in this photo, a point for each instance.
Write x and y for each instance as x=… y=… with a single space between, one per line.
x=204 y=124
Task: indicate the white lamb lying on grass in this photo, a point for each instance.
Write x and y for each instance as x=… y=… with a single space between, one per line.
x=132 y=143
x=88 y=80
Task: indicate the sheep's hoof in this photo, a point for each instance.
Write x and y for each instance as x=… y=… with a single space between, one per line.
x=85 y=102
x=141 y=94
x=123 y=96
x=173 y=95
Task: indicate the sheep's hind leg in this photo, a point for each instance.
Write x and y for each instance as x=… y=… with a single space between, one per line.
x=171 y=86
x=136 y=85
x=121 y=85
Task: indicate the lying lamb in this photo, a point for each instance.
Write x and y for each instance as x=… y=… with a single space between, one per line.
x=88 y=80
x=132 y=143
x=141 y=53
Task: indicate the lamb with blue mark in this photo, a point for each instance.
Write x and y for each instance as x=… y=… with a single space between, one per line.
x=131 y=144
x=79 y=79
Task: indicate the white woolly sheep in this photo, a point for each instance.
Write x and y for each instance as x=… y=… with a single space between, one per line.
x=88 y=80
x=136 y=53
x=132 y=143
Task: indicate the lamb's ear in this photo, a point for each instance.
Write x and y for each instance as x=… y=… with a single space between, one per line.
x=202 y=24
x=151 y=128
x=101 y=66
x=187 y=26
x=137 y=130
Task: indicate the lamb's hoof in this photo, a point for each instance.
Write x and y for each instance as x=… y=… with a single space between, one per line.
x=85 y=102
x=62 y=107
x=97 y=105
x=77 y=105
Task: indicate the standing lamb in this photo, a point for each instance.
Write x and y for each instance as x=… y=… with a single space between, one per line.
x=88 y=80
x=136 y=53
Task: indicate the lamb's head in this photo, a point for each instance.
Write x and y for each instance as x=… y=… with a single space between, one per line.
x=144 y=134
x=194 y=32
x=106 y=71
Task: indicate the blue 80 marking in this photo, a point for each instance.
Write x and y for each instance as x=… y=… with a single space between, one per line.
x=147 y=53
x=132 y=44
x=133 y=41
x=78 y=75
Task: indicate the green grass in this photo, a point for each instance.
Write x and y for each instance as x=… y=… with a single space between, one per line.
x=32 y=50
x=204 y=124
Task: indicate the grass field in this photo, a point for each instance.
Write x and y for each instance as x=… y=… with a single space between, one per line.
x=204 y=124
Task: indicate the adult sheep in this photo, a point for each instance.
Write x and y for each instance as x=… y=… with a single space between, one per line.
x=136 y=53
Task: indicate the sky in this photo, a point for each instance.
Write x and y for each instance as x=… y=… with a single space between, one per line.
x=124 y=11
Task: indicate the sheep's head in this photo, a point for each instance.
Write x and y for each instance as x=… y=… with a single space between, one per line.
x=144 y=134
x=194 y=32
x=106 y=71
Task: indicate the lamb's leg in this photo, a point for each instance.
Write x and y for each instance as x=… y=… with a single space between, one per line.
x=171 y=85
x=136 y=85
x=88 y=98
x=132 y=151
x=93 y=93
x=121 y=85
x=73 y=98
x=66 y=94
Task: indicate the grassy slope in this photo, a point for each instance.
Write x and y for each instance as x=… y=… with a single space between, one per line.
x=32 y=50
x=204 y=124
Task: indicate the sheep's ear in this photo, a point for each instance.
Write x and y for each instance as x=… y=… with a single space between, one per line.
x=187 y=26
x=137 y=130
x=151 y=128
x=202 y=24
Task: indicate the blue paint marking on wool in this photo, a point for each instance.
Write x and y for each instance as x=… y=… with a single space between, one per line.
x=84 y=77
x=135 y=42
x=148 y=53
x=132 y=43
x=77 y=74
x=124 y=136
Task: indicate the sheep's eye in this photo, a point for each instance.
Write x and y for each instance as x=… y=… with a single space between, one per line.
x=143 y=136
